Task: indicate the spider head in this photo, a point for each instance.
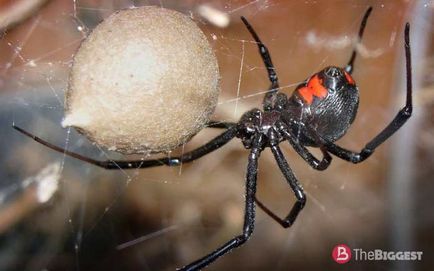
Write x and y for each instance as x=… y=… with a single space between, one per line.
x=248 y=126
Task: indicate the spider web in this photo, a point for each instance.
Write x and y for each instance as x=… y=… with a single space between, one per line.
x=162 y=218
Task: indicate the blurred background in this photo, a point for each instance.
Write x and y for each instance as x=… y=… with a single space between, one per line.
x=163 y=218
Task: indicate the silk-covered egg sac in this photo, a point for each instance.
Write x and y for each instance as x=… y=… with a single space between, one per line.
x=145 y=80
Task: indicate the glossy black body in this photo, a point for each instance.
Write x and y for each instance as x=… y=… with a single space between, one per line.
x=329 y=117
x=325 y=119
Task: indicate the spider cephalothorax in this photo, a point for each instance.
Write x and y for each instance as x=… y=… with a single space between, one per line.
x=256 y=122
x=318 y=113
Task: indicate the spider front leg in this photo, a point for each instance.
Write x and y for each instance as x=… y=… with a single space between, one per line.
x=269 y=98
x=211 y=146
x=349 y=67
x=249 y=213
x=403 y=115
x=293 y=183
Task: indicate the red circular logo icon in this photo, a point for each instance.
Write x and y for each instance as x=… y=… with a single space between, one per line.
x=341 y=254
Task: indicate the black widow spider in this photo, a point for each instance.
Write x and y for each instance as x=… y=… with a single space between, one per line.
x=318 y=113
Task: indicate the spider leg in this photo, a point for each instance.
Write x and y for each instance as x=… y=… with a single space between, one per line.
x=220 y=124
x=403 y=115
x=265 y=54
x=304 y=152
x=349 y=67
x=212 y=145
x=293 y=183
x=249 y=214
x=266 y=58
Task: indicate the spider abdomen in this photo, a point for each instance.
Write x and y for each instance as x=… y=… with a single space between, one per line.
x=332 y=117
x=326 y=103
